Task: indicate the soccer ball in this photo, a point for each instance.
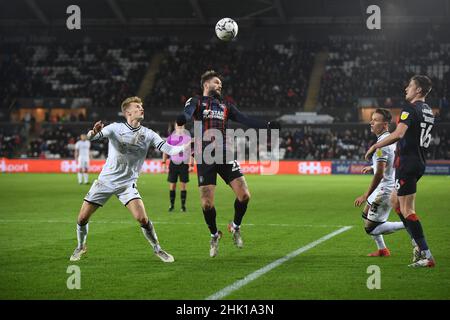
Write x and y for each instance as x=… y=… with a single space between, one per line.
x=226 y=29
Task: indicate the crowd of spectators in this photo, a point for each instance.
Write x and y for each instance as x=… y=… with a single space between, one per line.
x=10 y=143
x=104 y=72
x=53 y=142
x=351 y=144
x=265 y=77
x=308 y=143
x=381 y=69
x=262 y=77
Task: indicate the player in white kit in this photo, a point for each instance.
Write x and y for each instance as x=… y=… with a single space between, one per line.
x=82 y=148
x=378 y=207
x=127 y=149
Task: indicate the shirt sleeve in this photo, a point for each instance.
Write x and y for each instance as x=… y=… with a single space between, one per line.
x=106 y=132
x=191 y=108
x=407 y=116
x=238 y=116
x=160 y=144
x=382 y=154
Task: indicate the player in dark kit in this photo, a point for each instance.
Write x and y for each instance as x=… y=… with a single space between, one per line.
x=413 y=134
x=214 y=113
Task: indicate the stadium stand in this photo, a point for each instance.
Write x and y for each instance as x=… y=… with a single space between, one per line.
x=276 y=80
x=105 y=72
x=380 y=70
x=277 y=76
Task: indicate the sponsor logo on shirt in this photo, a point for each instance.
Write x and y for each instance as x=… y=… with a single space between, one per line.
x=213 y=114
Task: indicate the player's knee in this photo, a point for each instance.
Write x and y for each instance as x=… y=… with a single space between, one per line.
x=207 y=204
x=409 y=214
x=244 y=198
x=142 y=220
x=369 y=229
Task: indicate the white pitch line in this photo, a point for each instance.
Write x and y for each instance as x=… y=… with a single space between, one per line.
x=253 y=276
x=170 y=223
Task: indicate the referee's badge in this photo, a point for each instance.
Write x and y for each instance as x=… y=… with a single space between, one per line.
x=404 y=115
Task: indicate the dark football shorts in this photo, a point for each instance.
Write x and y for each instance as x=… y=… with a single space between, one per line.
x=406 y=177
x=207 y=173
x=178 y=170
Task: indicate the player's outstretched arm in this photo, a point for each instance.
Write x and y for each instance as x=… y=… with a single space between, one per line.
x=392 y=138
x=240 y=117
x=162 y=145
x=173 y=150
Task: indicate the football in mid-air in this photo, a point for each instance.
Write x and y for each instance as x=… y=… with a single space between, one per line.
x=226 y=29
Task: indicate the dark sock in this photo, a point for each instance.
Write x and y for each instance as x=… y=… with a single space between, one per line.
x=146 y=226
x=405 y=223
x=239 y=211
x=172 y=197
x=210 y=219
x=417 y=232
x=183 y=197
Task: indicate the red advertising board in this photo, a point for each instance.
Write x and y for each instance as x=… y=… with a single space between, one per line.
x=154 y=166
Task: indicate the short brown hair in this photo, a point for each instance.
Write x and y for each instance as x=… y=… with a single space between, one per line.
x=129 y=100
x=424 y=83
x=209 y=75
x=385 y=113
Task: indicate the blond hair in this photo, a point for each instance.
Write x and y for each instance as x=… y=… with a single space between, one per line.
x=129 y=100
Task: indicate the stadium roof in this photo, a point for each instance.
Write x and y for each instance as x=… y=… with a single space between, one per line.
x=52 y=13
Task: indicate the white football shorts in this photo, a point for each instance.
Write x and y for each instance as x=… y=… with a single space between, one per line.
x=379 y=205
x=99 y=193
x=83 y=163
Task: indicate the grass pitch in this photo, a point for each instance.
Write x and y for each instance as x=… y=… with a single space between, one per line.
x=37 y=236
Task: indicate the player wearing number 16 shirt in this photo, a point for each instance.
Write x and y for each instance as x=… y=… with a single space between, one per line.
x=413 y=134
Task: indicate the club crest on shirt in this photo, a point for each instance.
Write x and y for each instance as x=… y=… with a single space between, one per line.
x=404 y=115
x=141 y=138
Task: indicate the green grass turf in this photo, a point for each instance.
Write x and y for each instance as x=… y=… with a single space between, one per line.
x=37 y=236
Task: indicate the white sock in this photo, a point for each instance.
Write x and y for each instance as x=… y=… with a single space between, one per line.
x=413 y=242
x=86 y=177
x=82 y=232
x=150 y=235
x=235 y=226
x=387 y=227
x=379 y=241
x=80 y=177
